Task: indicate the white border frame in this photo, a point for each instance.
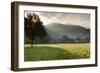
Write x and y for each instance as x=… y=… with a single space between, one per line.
x=23 y=64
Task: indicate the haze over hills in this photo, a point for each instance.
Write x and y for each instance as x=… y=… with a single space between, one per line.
x=67 y=33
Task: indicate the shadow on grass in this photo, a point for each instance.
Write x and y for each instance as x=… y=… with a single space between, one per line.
x=41 y=53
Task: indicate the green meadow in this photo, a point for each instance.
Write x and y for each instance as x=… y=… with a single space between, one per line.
x=41 y=52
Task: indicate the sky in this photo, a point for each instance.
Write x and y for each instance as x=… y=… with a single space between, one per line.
x=79 y=19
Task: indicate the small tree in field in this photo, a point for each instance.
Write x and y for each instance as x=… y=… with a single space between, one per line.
x=33 y=27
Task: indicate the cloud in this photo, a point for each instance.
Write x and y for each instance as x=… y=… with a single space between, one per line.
x=80 y=19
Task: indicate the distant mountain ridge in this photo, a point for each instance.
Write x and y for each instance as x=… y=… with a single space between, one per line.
x=67 y=32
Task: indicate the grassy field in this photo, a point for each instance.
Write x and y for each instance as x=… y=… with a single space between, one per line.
x=41 y=52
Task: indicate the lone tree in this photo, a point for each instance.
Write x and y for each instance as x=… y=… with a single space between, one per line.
x=33 y=27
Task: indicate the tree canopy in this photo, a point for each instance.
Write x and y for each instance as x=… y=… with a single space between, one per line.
x=34 y=27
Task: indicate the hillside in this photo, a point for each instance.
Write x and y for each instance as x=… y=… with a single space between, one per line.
x=67 y=33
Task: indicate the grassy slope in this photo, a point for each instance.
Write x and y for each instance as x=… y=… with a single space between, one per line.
x=56 y=52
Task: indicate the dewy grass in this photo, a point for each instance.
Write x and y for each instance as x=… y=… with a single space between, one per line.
x=41 y=52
